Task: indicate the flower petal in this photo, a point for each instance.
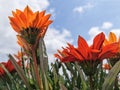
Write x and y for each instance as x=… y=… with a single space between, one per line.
x=112 y=37
x=98 y=41
x=108 y=51
x=83 y=47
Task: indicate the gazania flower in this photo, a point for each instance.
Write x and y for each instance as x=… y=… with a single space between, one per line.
x=106 y=66
x=88 y=56
x=9 y=66
x=112 y=39
x=85 y=52
x=30 y=25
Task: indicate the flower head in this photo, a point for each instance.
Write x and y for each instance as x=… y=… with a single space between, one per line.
x=106 y=66
x=88 y=56
x=85 y=52
x=9 y=66
x=30 y=25
x=112 y=39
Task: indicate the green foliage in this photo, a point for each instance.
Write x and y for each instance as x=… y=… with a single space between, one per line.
x=60 y=76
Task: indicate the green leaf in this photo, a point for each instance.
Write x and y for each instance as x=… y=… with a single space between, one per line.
x=109 y=80
x=46 y=83
x=75 y=88
x=20 y=72
x=82 y=76
x=62 y=87
x=43 y=56
x=9 y=75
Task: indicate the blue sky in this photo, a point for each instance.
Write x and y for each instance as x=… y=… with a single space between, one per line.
x=71 y=18
x=93 y=13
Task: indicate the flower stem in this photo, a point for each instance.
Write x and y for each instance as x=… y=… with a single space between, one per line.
x=91 y=82
x=116 y=84
x=36 y=70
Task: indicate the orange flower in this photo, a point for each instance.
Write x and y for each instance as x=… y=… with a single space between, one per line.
x=88 y=56
x=9 y=66
x=85 y=52
x=30 y=25
x=22 y=20
x=64 y=56
x=106 y=66
x=111 y=39
x=1 y=69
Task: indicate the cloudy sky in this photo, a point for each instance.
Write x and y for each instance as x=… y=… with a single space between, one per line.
x=71 y=18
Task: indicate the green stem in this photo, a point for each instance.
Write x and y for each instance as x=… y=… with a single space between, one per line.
x=91 y=83
x=36 y=70
x=116 y=84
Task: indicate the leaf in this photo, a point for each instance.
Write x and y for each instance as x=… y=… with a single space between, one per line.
x=109 y=80
x=82 y=77
x=43 y=56
x=75 y=88
x=19 y=71
x=9 y=75
x=46 y=83
x=62 y=87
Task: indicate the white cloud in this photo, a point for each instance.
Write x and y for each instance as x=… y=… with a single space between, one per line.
x=107 y=25
x=55 y=39
x=93 y=32
x=106 y=28
x=78 y=9
x=7 y=35
x=52 y=11
x=82 y=9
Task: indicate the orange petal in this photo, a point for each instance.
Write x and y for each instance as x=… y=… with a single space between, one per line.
x=28 y=13
x=22 y=22
x=68 y=59
x=108 y=51
x=83 y=47
x=106 y=42
x=33 y=18
x=75 y=53
x=18 y=12
x=15 y=27
x=112 y=37
x=14 y=23
x=41 y=14
x=36 y=20
x=48 y=22
x=57 y=56
x=43 y=20
x=98 y=41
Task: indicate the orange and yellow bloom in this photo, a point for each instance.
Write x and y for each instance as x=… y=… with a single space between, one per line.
x=23 y=20
x=112 y=39
x=30 y=25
